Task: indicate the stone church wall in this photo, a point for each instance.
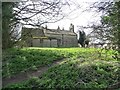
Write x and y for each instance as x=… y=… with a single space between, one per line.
x=62 y=41
x=69 y=41
x=51 y=37
x=54 y=43
x=36 y=43
x=46 y=43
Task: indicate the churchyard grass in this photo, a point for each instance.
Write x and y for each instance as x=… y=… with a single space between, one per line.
x=84 y=67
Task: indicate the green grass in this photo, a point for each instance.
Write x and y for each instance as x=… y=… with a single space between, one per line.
x=84 y=68
x=20 y=60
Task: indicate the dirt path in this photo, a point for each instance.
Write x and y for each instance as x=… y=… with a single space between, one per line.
x=28 y=74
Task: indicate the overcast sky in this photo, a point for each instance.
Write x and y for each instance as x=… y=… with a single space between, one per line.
x=78 y=17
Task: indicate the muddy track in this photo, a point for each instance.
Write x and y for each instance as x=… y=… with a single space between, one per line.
x=23 y=76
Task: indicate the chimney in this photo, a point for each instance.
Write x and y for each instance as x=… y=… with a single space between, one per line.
x=45 y=26
x=58 y=29
x=63 y=29
x=71 y=28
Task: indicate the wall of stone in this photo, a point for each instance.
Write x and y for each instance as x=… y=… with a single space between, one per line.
x=46 y=43
x=63 y=39
x=37 y=33
x=74 y=41
x=58 y=37
x=36 y=43
x=53 y=43
x=70 y=41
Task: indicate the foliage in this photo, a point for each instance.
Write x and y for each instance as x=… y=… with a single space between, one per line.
x=83 y=39
x=112 y=21
x=7 y=20
x=109 y=29
x=83 y=69
x=20 y=60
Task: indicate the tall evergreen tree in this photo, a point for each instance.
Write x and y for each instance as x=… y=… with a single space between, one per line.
x=82 y=38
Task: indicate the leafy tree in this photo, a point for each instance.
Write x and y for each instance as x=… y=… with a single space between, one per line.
x=112 y=24
x=109 y=28
x=7 y=20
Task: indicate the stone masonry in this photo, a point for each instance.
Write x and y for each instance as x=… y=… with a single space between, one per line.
x=44 y=37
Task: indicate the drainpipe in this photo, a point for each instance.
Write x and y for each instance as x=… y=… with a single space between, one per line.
x=62 y=39
x=50 y=43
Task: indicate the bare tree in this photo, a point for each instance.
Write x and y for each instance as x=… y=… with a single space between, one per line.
x=107 y=30
x=34 y=13
x=40 y=12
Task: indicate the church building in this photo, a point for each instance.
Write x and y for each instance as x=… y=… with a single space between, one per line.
x=44 y=37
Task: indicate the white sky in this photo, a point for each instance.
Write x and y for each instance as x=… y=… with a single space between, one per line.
x=78 y=17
